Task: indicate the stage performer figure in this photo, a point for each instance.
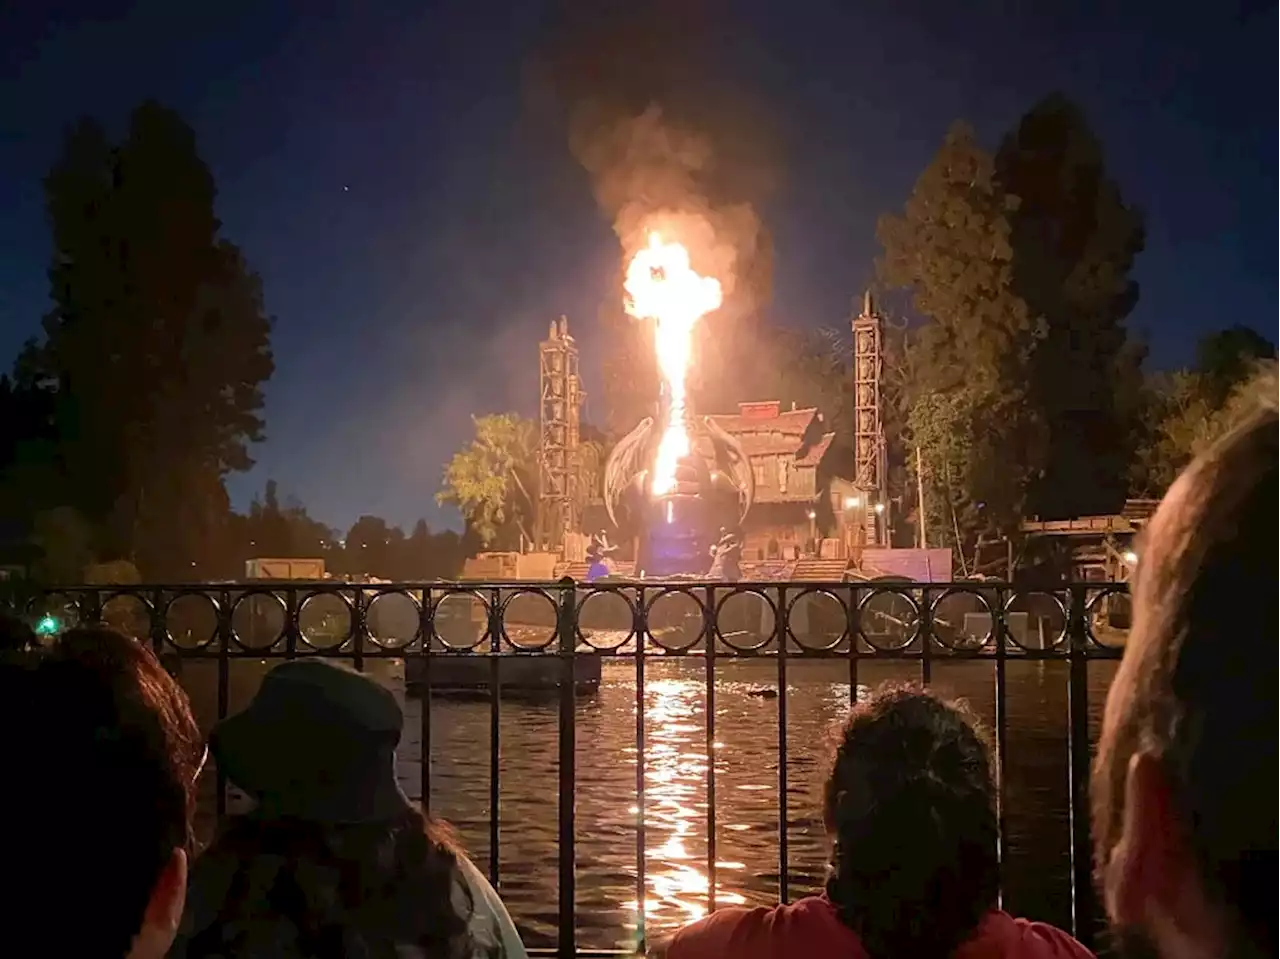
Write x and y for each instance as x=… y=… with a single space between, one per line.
x=598 y=553
x=726 y=563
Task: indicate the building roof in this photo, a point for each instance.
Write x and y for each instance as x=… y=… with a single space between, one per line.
x=766 y=417
x=764 y=429
x=813 y=455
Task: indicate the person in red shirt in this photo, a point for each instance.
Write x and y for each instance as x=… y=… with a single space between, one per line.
x=910 y=809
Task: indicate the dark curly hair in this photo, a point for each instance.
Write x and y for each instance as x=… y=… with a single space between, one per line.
x=910 y=806
x=281 y=887
x=100 y=754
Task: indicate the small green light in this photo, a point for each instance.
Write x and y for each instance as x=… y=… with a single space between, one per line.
x=47 y=626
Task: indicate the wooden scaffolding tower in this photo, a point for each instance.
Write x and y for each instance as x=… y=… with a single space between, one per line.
x=559 y=419
x=868 y=424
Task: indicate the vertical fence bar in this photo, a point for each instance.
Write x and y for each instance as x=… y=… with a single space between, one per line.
x=1002 y=741
x=225 y=628
x=426 y=627
x=496 y=631
x=567 y=628
x=157 y=628
x=88 y=608
x=853 y=623
x=712 y=635
x=359 y=625
x=924 y=623
x=640 y=625
x=290 y=622
x=1082 y=912
x=781 y=628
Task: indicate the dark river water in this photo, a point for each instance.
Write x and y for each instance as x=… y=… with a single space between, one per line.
x=1037 y=872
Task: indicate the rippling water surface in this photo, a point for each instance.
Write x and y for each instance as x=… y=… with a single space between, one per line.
x=677 y=863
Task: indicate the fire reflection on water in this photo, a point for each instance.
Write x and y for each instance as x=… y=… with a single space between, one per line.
x=675 y=777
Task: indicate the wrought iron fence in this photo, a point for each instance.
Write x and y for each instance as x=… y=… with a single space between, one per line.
x=486 y=635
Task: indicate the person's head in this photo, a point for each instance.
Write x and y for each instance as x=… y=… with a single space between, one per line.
x=334 y=857
x=15 y=634
x=99 y=755
x=910 y=808
x=1184 y=785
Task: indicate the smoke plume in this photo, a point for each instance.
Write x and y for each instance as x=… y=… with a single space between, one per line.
x=648 y=173
x=665 y=142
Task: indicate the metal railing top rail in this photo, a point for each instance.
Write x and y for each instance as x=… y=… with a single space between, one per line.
x=563 y=583
x=673 y=617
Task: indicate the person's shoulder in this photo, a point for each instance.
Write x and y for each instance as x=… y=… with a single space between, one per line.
x=809 y=924
x=476 y=883
x=491 y=924
x=715 y=935
x=1000 y=934
x=1050 y=941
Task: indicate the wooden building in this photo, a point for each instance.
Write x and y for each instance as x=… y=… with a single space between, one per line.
x=798 y=510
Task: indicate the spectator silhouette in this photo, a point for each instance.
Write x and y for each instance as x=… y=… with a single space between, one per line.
x=100 y=755
x=15 y=635
x=910 y=808
x=1184 y=786
x=333 y=861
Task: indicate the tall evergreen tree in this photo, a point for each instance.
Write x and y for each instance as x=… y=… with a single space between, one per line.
x=965 y=405
x=1024 y=383
x=1074 y=240
x=1227 y=357
x=157 y=345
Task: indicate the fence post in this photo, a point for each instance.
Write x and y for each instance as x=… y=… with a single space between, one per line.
x=567 y=633
x=1082 y=896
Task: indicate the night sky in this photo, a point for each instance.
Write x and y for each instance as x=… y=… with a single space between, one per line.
x=416 y=224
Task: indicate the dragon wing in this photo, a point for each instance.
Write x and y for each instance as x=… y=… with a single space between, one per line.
x=737 y=464
x=623 y=465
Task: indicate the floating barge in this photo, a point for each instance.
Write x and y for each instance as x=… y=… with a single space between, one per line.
x=463 y=662
x=517 y=674
x=524 y=664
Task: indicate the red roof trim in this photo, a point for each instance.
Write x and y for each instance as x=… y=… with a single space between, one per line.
x=792 y=421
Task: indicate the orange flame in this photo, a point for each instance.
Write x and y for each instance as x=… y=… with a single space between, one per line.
x=661 y=286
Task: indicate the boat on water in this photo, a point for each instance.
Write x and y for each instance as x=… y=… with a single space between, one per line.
x=517 y=674
x=466 y=661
